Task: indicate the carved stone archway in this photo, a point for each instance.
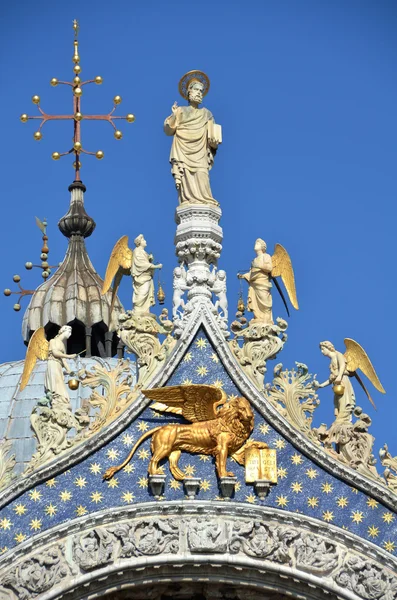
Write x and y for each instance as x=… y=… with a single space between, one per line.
x=253 y=552
x=195 y=590
x=197 y=582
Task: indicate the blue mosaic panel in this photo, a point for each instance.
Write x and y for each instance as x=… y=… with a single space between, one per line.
x=302 y=485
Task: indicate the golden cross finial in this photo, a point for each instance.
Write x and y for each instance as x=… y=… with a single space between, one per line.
x=77 y=117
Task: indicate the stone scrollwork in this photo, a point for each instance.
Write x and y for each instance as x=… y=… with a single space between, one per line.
x=140 y=334
x=51 y=421
x=260 y=540
x=260 y=343
x=116 y=384
x=147 y=537
x=390 y=464
x=93 y=549
x=291 y=392
x=38 y=574
x=351 y=443
x=7 y=463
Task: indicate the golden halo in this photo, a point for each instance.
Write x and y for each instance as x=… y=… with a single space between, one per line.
x=189 y=77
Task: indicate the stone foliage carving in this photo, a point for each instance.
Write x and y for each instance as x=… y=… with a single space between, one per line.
x=147 y=537
x=51 y=422
x=93 y=549
x=38 y=574
x=293 y=395
x=260 y=343
x=390 y=464
x=351 y=443
x=140 y=334
x=7 y=463
x=260 y=540
x=116 y=384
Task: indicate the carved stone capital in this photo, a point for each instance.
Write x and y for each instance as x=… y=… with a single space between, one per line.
x=140 y=334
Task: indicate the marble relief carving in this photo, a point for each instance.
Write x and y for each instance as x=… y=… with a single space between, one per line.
x=321 y=558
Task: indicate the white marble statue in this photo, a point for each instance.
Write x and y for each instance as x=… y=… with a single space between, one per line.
x=219 y=289
x=55 y=353
x=195 y=140
x=258 y=278
x=180 y=287
x=265 y=268
x=142 y=271
x=348 y=441
x=139 y=263
x=344 y=400
x=54 y=380
x=342 y=367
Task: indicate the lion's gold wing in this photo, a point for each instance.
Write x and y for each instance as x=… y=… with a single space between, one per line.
x=120 y=263
x=194 y=402
x=357 y=358
x=282 y=267
x=37 y=349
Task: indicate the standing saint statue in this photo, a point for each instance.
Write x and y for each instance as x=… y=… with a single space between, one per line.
x=264 y=269
x=196 y=139
x=142 y=275
x=139 y=264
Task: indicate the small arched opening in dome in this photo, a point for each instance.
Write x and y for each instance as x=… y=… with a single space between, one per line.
x=88 y=341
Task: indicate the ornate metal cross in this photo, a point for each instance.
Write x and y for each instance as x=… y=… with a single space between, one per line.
x=77 y=117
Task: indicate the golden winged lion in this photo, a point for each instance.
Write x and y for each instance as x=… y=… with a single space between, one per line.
x=219 y=427
x=342 y=367
x=264 y=270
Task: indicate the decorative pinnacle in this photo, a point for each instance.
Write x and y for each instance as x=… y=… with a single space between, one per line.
x=77 y=117
x=44 y=266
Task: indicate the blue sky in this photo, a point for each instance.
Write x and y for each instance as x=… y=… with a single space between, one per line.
x=306 y=94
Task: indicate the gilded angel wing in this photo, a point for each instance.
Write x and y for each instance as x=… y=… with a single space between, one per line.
x=357 y=358
x=194 y=402
x=282 y=267
x=120 y=263
x=37 y=349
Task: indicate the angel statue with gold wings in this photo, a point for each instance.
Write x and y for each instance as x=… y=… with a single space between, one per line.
x=342 y=368
x=54 y=352
x=139 y=264
x=264 y=269
x=218 y=427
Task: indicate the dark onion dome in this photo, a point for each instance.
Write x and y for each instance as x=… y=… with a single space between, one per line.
x=73 y=294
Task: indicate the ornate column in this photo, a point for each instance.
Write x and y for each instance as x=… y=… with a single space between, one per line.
x=198 y=245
